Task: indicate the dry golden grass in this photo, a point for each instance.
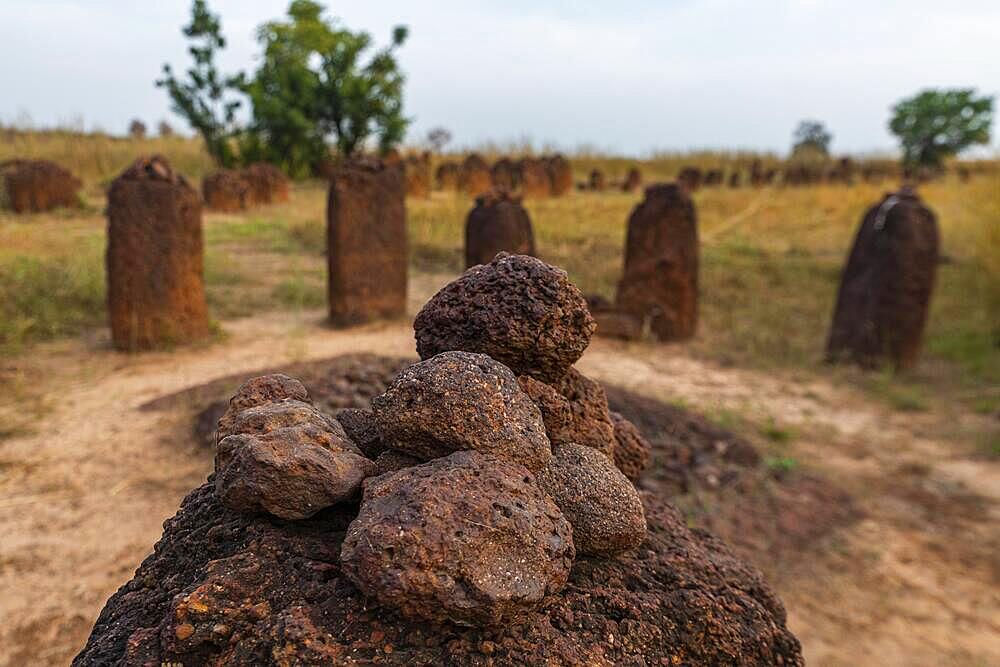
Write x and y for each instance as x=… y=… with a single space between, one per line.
x=771 y=260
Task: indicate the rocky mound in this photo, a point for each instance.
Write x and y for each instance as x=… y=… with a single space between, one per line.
x=481 y=541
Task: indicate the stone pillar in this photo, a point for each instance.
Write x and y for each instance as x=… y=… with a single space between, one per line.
x=886 y=286
x=156 y=291
x=35 y=186
x=366 y=242
x=497 y=223
x=561 y=175
x=660 y=282
x=475 y=177
x=633 y=180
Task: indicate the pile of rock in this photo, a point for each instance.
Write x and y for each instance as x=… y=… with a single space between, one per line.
x=493 y=525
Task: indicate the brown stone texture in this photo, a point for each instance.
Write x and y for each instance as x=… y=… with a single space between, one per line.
x=536 y=183
x=461 y=400
x=280 y=455
x=734 y=179
x=475 y=177
x=227 y=190
x=366 y=242
x=713 y=178
x=35 y=186
x=660 y=282
x=560 y=175
x=467 y=538
x=690 y=178
x=519 y=310
x=446 y=176
x=886 y=287
x=391 y=461
x=497 y=223
x=597 y=181
x=632 y=452
x=418 y=176
x=506 y=175
x=598 y=500
x=580 y=416
x=156 y=293
x=611 y=322
x=633 y=180
x=360 y=427
x=268 y=184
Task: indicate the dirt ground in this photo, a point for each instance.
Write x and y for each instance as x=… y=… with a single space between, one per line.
x=83 y=495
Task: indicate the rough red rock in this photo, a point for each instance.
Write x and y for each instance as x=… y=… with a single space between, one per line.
x=222 y=587
x=632 y=452
x=392 y=460
x=446 y=176
x=506 y=175
x=560 y=175
x=277 y=453
x=597 y=181
x=468 y=538
x=660 y=282
x=35 y=186
x=359 y=425
x=418 y=176
x=690 y=178
x=227 y=190
x=598 y=500
x=497 y=223
x=536 y=182
x=268 y=184
x=154 y=259
x=574 y=410
x=474 y=176
x=518 y=310
x=633 y=180
x=461 y=400
x=886 y=287
x=366 y=242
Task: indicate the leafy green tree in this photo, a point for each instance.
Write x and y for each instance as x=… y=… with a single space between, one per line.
x=936 y=124
x=811 y=139
x=317 y=82
x=205 y=97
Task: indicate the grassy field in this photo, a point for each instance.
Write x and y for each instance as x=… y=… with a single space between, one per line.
x=771 y=260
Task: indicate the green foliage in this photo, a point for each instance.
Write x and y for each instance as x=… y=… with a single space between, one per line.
x=811 y=139
x=315 y=82
x=936 y=124
x=205 y=98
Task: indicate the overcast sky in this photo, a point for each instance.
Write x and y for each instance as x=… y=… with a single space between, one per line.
x=631 y=76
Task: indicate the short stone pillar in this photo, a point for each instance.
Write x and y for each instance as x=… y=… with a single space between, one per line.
x=475 y=177
x=633 y=180
x=886 y=287
x=536 y=183
x=156 y=290
x=366 y=242
x=497 y=223
x=35 y=186
x=560 y=174
x=660 y=282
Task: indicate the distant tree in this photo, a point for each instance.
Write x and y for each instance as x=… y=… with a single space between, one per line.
x=936 y=124
x=315 y=83
x=137 y=129
x=811 y=139
x=205 y=98
x=164 y=129
x=438 y=138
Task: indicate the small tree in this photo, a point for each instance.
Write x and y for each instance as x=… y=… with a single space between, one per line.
x=137 y=129
x=936 y=124
x=438 y=138
x=314 y=83
x=205 y=99
x=811 y=139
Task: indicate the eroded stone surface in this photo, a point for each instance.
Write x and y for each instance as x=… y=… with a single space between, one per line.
x=597 y=499
x=461 y=400
x=467 y=538
x=632 y=451
x=519 y=310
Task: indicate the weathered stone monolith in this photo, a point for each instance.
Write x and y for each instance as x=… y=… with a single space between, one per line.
x=536 y=183
x=560 y=174
x=34 y=186
x=418 y=176
x=475 y=176
x=633 y=180
x=497 y=223
x=660 y=281
x=886 y=286
x=366 y=242
x=227 y=191
x=596 y=182
x=156 y=293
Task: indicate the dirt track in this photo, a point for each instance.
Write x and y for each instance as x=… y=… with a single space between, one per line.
x=83 y=497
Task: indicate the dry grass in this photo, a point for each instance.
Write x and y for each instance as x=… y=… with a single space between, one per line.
x=771 y=260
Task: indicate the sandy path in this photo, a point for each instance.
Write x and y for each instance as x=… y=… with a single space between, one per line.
x=83 y=499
